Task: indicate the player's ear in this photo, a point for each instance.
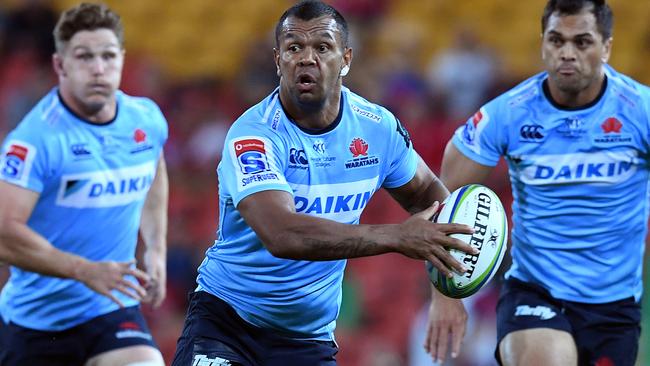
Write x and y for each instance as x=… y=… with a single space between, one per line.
x=276 y=58
x=57 y=65
x=347 y=61
x=607 y=48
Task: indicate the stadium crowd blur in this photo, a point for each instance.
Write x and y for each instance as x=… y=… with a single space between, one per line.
x=433 y=63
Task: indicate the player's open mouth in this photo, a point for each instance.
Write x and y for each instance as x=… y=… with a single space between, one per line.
x=306 y=82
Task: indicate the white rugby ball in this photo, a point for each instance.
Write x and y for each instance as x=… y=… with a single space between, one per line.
x=479 y=207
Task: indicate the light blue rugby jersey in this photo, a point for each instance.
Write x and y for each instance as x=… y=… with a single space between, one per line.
x=331 y=174
x=580 y=185
x=92 y=181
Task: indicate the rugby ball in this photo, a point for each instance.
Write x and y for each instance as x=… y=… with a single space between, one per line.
x=479 y=207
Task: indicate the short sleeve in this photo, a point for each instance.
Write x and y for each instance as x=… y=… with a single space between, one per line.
x=251 y=162
x=403 y=158
x=24 y=161
x=480 y=137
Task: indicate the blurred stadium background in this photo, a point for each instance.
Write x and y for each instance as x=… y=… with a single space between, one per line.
x=432 y=62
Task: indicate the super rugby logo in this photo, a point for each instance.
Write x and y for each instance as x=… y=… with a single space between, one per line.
x=251 y=155
x=471 y=131
x=17 y=161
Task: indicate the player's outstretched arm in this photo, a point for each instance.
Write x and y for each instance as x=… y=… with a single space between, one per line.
x=447 y=316
x=447 y=323
x=288 y=234
x=22 y=247
x=153 y=229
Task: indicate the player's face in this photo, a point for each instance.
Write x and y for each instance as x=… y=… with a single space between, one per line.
x=90 y=69
x=309 y=60
x=574 y=51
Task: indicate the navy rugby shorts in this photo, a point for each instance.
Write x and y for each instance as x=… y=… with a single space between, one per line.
x=118 y=329
x=605 y=334
x=215 y=335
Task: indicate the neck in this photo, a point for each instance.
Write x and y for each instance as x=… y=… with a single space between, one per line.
x=312 y=116
x=103 y=113
x=577 y=99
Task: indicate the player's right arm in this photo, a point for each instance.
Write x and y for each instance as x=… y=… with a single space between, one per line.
x=22 y=247
x=287 y=234
x=447 y=316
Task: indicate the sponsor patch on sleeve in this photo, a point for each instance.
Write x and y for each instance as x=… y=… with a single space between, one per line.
x=471 y=131
x=16 y=162
x=253 y=160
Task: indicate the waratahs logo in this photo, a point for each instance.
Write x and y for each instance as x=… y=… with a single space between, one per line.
x=360 y=158
x=358 y=147
x=611 y=133
x=611 y=125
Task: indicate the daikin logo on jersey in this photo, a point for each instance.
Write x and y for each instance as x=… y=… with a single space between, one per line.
x=106 y=188
x=603 y=167
x=342 y=202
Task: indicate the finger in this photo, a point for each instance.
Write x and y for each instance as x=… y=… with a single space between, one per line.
x=430 y=211
x=115 y=300
x=453 y=243
x=443 y=341
x=144 y=277
x=134 y=287
x=449 y=262
x=455 y=228
x=131 y=290
x=457 y=339
x=429 y=338
x=440 y=267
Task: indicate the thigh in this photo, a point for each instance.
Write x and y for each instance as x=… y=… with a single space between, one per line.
x=132 y=356
x=24 y=346
x=538 y=346
x=607 y=334
x=214 y=334
x=531 y=325
x=122 y=329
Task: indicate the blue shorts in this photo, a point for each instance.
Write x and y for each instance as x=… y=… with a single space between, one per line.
x=602 y=332
x=118 y=329
x=214 y=333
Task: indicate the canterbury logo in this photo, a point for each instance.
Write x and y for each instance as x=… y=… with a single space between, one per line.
x=531 y=132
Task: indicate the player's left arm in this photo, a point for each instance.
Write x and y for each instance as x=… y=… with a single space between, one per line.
x=153 y=230
x=421 y=191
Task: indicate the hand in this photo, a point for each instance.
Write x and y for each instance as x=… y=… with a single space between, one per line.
x=447 y=320
x=156 y=266
x=422 y=239
x=103 y=277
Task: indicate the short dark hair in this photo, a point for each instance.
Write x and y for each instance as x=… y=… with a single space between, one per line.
x=86 y=17
x=600 y=9
x=311 y=9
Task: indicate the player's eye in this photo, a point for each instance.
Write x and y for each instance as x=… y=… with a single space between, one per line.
x=293 y=48
x=583 y=43
x=109 y=55
x=323 y=48
x=84 y=56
